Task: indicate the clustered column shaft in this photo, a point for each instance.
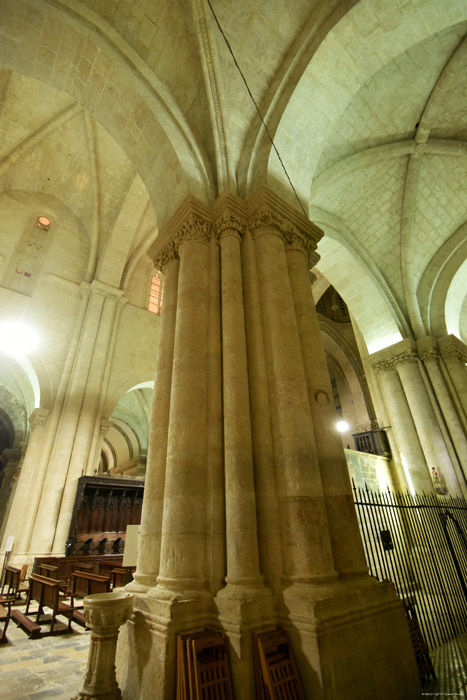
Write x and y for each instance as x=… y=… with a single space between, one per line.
x=241 y=528
x=347 y=547
x=151 y=516
x=284 y=484
x=183 y=544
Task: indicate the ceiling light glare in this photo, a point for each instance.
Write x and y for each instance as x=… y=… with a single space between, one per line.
x=17 y=339
x=342 y=426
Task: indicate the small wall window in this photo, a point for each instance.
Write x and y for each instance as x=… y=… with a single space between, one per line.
x=156 y=293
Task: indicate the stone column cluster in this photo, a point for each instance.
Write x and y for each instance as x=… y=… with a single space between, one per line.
x=421 y=383
x=282 y=471
x=248 y=519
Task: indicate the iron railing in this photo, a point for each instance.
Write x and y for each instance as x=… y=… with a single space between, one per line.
x=419 y=542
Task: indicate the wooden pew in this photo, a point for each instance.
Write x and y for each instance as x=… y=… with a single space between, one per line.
x=84 y=584
x=46 y=593
x=47 y=570
x=118 y=577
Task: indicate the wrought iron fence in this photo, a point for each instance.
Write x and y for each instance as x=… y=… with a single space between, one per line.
x=420 y=543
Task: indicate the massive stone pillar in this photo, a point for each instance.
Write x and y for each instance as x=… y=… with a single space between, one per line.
x=70 y=434
x=349 y=632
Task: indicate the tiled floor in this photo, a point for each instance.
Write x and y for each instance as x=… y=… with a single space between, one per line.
x=54 y=667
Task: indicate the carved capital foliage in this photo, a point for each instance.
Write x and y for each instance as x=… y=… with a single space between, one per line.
x=406 y=357
x=229 y=224
x=267 y=221
x=454 y=355
x=382 y=366
x=194 y=228
x=165 y=256
x=429 y=355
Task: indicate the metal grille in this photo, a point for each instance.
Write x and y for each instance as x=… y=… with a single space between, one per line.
x=419 y=542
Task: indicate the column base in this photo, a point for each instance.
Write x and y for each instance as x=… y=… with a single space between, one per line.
x=350 y=638
x=244 y=609
x=352 y=644
x=146 y=650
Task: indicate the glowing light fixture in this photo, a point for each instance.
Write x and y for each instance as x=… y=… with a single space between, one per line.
x=17 y=339
x=342 y=426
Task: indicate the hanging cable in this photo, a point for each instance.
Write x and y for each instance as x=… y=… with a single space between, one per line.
x=256 y=107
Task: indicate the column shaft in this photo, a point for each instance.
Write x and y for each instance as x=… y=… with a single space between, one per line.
x=183 y=542
x=404 y=431
x=215 y=440
x=149 y=543
x=431 y=439
x=269 y=529
x=453 y=424
x=241 y=531
x=454 y=357
x=305 y=536
x=346 y=541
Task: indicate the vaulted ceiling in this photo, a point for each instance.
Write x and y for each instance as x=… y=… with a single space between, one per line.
x=120 y=110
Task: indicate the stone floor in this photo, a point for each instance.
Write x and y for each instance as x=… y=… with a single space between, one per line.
x=54 y=667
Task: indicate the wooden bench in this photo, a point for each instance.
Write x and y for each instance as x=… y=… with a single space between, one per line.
x=66 y=565
x=84 y=584
x=118 y=577
x=46 y=593
x=5 y=612
x=47 y=570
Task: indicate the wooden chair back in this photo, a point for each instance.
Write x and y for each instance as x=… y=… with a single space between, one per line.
x=11 y=581
x=276 y=672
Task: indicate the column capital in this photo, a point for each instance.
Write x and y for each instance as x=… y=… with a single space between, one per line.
x=267 y=213
x=402 y=353
x=191 y=222
x=382 y=366
x=229 y=216
x=101 y=289
x=428 y=349
x=38 y=418
x=451 y=348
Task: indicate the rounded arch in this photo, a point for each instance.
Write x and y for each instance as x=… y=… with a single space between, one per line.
x=442 y=289
x=142 y=117
x=135 y=381
x=126 y=442
x=378 y=322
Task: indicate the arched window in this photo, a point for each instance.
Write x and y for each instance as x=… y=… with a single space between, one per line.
x=156 y=293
